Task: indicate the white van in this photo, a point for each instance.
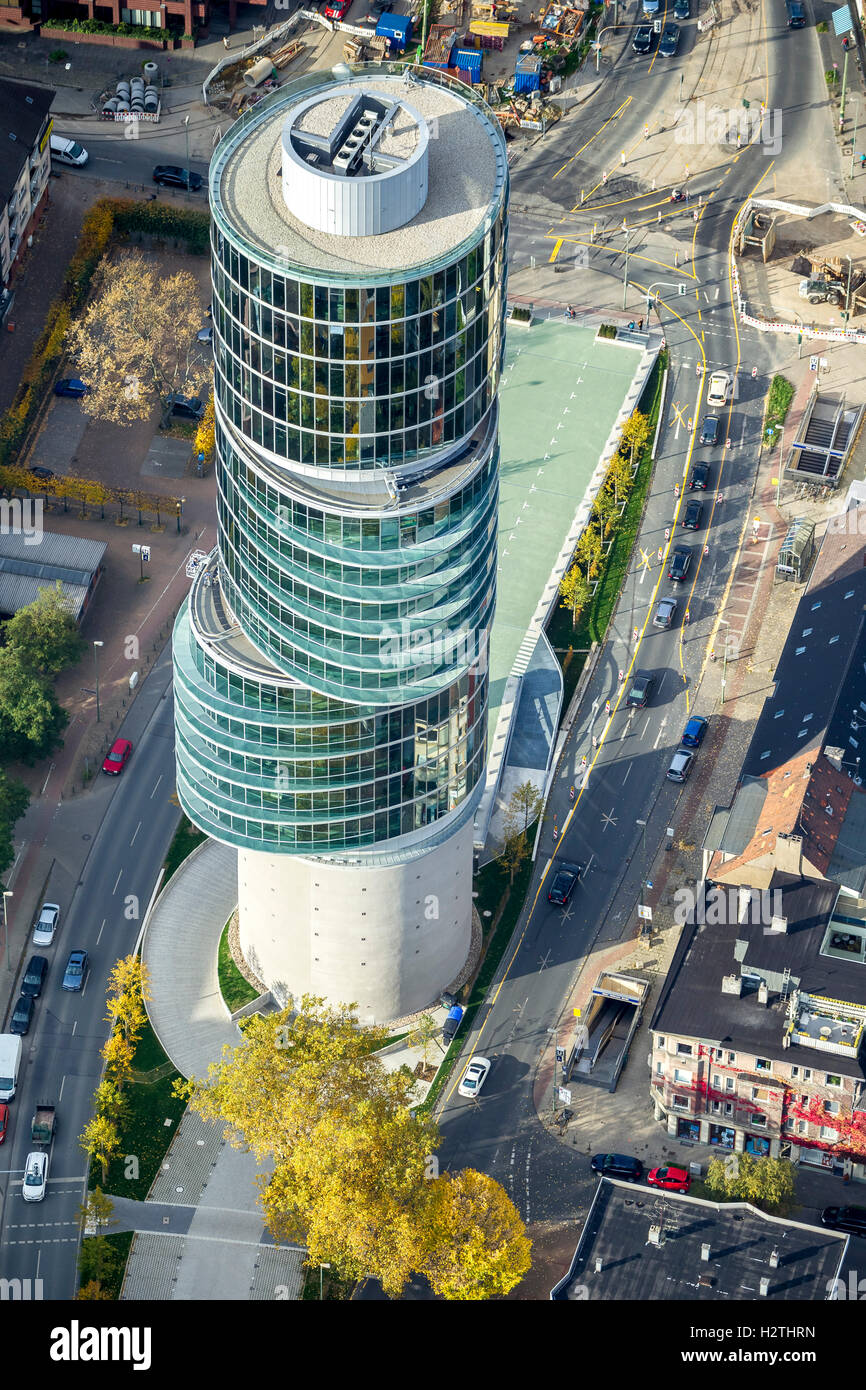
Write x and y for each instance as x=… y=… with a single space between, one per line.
x=10 y=1061
x=67 y=151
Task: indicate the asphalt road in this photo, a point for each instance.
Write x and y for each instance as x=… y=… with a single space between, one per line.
x=625 y=784
x=61 y=1061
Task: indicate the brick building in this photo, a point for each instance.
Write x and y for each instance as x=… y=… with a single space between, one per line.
x=25 y=163
x=172 y=17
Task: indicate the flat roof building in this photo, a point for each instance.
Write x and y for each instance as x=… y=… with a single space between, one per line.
x=74 y=562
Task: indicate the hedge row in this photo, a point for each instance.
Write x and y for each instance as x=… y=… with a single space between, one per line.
x=96 y=26
x=107 y=221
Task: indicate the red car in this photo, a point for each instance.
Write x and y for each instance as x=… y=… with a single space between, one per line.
x=337 y=9
x=4 y=1120
x=118 y=757
x=669 y=1179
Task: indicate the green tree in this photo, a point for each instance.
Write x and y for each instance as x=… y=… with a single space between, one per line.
x=769 y=1182
x=44 y=636
x=425 y=1033
x=575 y=593
x=14 y=800
x=524 y=806
x=476 y=1246
x=92 y=1291
x=96 y=1211
x=28 y=705
x=514 y=852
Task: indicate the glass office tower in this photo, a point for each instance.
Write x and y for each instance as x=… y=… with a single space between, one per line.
x=331 y=661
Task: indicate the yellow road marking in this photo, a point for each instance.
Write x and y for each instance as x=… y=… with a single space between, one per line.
x=555 y=252
x=617 y=112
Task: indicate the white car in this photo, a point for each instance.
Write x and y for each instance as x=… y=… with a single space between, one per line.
x=35 y=1176
x=43 y=932
x=474 y=1077
x=720 y=384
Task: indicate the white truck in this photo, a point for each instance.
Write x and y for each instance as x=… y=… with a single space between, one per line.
x=10 y=1061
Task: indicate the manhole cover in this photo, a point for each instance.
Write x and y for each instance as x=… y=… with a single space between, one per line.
x=87 y=837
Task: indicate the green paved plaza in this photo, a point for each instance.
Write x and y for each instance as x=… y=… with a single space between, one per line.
x=560 y=396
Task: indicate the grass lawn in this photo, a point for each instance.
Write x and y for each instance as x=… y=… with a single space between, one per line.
x=235 y=990
x=592 y=625
x=144 y=1134
x=779 y=400
x=186 y=837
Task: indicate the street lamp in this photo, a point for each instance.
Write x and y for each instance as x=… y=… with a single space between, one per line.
x=7 y=893
x=724 y=623
x=186 y=132
x=848 y=290
x=96 y=645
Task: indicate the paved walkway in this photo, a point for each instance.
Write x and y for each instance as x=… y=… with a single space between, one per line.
x=187 y=1011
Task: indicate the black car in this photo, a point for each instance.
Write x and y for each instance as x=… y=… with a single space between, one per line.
x=618 y=1166
x=851 y=1219
x=22 y=1016
x=172 y=176
x=692 y=515
x=643 y=39
x=681 y=9
x=710 y=430
x=562 y=886
x=681 y=558
x=700 y=478
x=186 y=407
x=39 y=472
x=669 y=40
x=640 y=689
x=34 y=977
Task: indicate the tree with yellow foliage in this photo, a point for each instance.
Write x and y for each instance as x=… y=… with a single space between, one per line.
x=100 y=1141
x=476 y=1246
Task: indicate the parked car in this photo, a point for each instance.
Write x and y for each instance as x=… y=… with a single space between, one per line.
x=71 y=386
x=710 y=430
x=640 y=690
x=670 y=40
x=618 y=1166
x=39 y=472
x=22 y=1015
x=34 y=976
x=700 y=477
x=205 y=335
x=693 y=734
x=669 y=1179
x=692 y=515
x=337 y=9
x=474 y=1077
x=75 y=974
x=452 y=1022
x=118 y=757
x=681 y=559
x=665 y=611
x=850 y=1219
x=681 y=765
x=186 y=407
x=46 y=926
x=172 y=176
x=720 y=384
x=562 y=886
x=35 y=1176
x=4 y=1120
x=681 y=9
x=643 y=38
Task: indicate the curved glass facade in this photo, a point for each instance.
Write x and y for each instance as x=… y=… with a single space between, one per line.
x=330 y=666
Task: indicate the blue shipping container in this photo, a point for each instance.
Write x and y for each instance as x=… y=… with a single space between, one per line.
x=396 y=27
x=468 y=60
x=527 y=75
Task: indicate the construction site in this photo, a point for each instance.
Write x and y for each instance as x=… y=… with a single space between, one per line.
x=801 y=265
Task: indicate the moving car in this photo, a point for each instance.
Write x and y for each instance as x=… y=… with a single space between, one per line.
x=796 y=14
x=720 y=384
x=75 y=973
x=172 y=176
x=118 y=757
x=693 y=733
x=669 y=1179
x=186 y=407
x=681 y=558
x=681 y=9
x=692 y=515
x=640 y=690
x=669 y=41
x=39 y=472
x=71 y=386
x=46 y=926
x=35 y=1176
x=562 y=886
x=4 y=1120
x=664 y=615
x=34 y=977
x=618 y=1166
x=643 y=39
x=22 y=1016
x=67 y=151
x=820 y=292
x=474 y=1077
x=681 y=765
x=851 y=1219
x=700 y=477
x=710 y=430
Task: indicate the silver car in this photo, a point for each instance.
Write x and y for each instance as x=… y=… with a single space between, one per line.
x=681 y=765
x=664 y=615
x=43 y=931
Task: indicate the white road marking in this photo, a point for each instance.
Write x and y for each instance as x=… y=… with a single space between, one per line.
x=627 y=771
x=101 y=929
x=119 y=876
x=132 y=841
x=156 y=784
